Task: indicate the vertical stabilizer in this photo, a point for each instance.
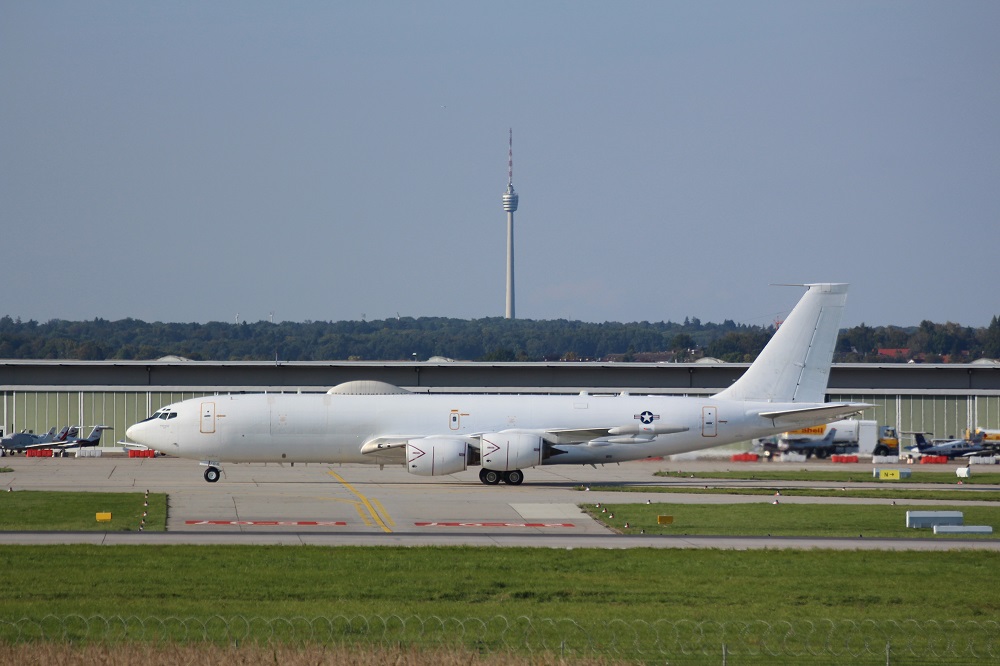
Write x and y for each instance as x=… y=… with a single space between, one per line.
x=795 y=364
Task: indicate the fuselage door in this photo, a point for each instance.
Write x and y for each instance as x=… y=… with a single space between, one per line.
x=455 y=420
x=708 y=422
x=208 y=417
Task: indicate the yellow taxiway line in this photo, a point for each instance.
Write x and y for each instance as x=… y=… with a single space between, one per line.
x=364 y=500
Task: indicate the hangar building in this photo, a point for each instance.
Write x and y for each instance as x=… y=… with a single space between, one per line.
x=944 y=399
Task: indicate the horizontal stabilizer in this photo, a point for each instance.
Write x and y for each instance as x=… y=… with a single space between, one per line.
x=806 y=416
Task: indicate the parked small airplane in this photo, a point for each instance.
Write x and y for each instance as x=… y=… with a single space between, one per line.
x=93 y=439
x=807 y=446
x=22 y=441
x=953 y=448
x=439 y=434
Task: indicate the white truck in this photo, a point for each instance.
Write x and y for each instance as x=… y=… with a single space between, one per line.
x=847 y=436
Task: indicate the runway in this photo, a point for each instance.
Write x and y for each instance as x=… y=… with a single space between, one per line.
x=333 y=505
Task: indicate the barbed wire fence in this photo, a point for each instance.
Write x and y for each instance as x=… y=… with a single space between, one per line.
x=882 y=641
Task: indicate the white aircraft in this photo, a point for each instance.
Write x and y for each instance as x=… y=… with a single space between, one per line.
x=438 y=434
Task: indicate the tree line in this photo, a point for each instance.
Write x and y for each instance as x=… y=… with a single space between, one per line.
x=488 y=339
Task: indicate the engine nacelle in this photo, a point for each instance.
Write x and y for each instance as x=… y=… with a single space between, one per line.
x=504 y=452
x=434 y=456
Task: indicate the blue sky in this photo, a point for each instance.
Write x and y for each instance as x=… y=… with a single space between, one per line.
x=191 y=161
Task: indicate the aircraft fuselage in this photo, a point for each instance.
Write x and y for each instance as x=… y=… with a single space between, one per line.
x=323 y=428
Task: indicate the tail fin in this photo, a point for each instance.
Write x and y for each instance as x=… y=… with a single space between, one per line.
x=920 y=441
x=795 y=364
x=94 y=438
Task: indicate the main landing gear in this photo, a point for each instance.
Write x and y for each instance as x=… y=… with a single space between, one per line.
x=212 y=474
x=492 y=477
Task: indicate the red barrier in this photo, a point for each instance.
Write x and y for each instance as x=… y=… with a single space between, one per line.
x=838 y=458
x=933 y=460
x=38 y=453
x=744 y=457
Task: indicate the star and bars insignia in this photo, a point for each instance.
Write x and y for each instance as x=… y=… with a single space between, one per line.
x=647 y=417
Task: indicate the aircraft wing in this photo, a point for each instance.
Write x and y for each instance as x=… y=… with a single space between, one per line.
x=391 y=444
x=387 y=443
x=581 y=435
x=43 y=445
x=807 y=416
x=75 y=444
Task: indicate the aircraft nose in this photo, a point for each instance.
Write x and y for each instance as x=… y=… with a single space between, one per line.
x=132 y=431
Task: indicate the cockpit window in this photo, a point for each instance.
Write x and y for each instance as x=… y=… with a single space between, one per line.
x=163 y=414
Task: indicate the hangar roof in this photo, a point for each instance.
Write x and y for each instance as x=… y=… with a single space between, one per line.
x=448 y=376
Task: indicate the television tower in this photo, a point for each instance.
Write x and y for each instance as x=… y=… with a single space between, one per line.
x=510 y=205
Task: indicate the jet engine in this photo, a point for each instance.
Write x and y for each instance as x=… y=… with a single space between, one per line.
x=434 y=456
x=504 y=452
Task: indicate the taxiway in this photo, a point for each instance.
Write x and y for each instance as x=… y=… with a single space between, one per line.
x=362 y=505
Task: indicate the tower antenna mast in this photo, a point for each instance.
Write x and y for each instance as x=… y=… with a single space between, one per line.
x=510 y=205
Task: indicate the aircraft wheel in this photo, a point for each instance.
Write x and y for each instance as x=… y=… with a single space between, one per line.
x=489 y=477
x=212 y=474
x=513 y=477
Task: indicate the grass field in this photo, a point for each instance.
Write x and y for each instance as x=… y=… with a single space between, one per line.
x=886 y=493
x=285 y=655
x=39 y=511
x=767 y=519
x=584 y=585
x=759 y=473
x=431 y=601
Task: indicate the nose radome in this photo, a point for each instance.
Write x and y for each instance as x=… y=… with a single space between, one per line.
x=131 y=431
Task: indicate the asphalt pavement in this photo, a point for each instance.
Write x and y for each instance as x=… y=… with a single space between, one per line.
x=335 y=505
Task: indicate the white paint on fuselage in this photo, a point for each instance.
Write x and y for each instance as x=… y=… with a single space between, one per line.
x=324 y=428
x=786 y=383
